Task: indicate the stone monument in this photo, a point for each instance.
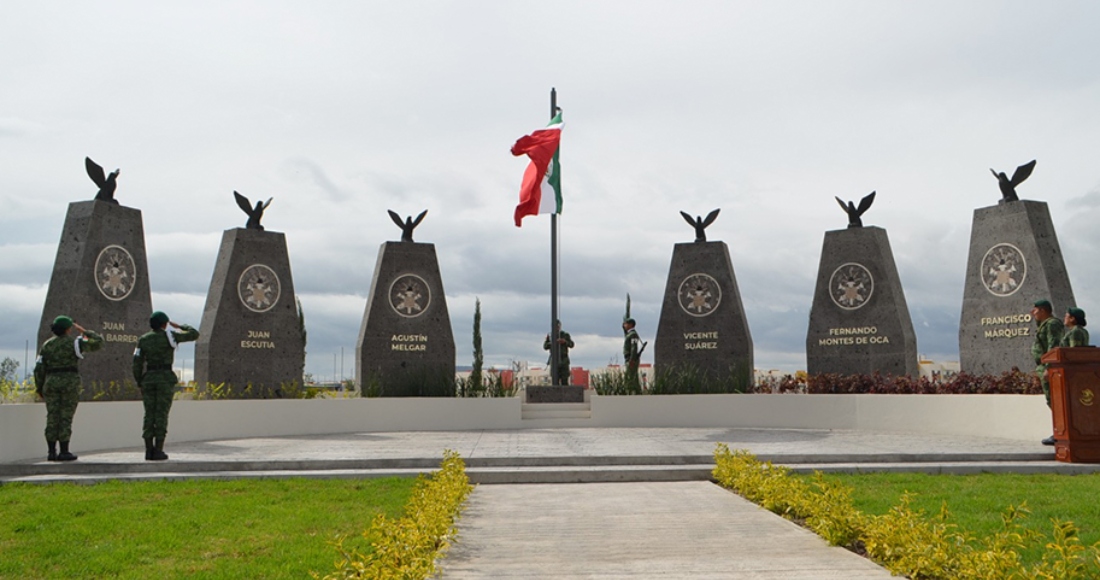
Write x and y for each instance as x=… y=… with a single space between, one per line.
x=702 y=328
x=101 y=278
x=253 y=340
x=859 y=321
x=1014 y=260
x=406 y=347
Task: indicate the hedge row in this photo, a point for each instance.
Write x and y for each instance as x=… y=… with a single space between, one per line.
x=1014 y=382
x=408 y=547
x=905 y=541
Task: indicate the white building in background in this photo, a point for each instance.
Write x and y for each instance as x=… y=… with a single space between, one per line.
x=933 y=370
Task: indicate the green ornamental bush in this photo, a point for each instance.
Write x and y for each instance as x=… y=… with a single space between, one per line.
x=906 y=541
x=408 y=547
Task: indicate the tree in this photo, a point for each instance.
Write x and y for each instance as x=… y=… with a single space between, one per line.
x=479 y=357
x=8 y=368
x=302 y=329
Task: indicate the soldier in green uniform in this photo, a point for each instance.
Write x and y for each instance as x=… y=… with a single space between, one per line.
x=565 y=342
x=153 y=359
x=1048 y=335
x=57 y=380
x=631 y=353
x=1075 y=334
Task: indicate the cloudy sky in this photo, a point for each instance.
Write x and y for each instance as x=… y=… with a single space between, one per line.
x=342 y=110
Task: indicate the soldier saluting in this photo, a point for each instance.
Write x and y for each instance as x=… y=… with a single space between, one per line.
x=153 y=360
x=57 y=380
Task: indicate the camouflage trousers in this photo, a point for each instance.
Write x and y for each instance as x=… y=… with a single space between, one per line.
x=631 y=375
x=62 y=394
x=156 y=394
x=564 y=376
x=1041 y=370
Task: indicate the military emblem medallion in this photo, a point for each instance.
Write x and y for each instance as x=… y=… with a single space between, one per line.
x=699 y=294
x=258 y=288
x=851 y=286
x=409 y=295
x=1003 y=270
x=115 y=273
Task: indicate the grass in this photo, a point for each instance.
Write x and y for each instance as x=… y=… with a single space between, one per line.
x=210 y=529
x=976 y=502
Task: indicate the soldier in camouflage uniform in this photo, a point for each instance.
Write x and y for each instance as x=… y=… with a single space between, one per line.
x=565 y=342
x=1075 y=334
x=153 y=360
x=1048 y=336
x=57 y=380
x=631 y=353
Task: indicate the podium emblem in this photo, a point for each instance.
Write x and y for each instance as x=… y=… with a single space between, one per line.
x=851 y=286
x=115 y=273
x=258 y=288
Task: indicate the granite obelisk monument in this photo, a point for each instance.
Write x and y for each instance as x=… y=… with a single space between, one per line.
x=702 y=328
x=101 y=278
x=253 y=340
x=406 y=347
x=1014 y=260
x=859 y=320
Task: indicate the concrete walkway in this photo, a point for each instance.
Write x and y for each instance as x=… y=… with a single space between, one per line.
x=637 y=530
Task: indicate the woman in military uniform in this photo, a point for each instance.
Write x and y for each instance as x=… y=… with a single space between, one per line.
x=57 y=380
x=1075 y=333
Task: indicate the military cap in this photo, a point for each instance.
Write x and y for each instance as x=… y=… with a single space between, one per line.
x=62 y=322
x=629 y=321
x=1077 y=314
x=158 y=319
x=1044 y=304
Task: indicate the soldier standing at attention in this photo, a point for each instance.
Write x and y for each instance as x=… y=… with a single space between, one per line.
x=631 y=352
x=153 y=360
x=57 y=380
x=1047 y=336
x=565 y=342
x=1075 y=335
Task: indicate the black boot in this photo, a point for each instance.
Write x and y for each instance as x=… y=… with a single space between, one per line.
x=65 y=455
x=158 y=450
x=148 y=448
x=53 y=451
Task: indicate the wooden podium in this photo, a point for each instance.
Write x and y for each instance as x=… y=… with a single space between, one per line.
x=1074 y=375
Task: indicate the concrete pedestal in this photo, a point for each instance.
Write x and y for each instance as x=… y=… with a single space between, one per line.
x=406 y=347
x=558 y=394
x=859 y=321
x=1075 y=403
x=101 y=279
x=1014 y=260
x=703 y=328
x=251 y=339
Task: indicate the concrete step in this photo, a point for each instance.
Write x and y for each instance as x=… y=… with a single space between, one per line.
x=531 y=411
x=532 y=469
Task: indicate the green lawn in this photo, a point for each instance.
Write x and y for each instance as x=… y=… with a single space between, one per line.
x=205 y=529
x=976 y=502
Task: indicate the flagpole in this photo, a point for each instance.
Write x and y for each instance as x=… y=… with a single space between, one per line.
x=555 y=350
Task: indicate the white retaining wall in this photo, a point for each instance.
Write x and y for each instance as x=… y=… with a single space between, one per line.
x=99 y=426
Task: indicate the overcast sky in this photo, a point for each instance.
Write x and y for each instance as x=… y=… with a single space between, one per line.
x=342 y=110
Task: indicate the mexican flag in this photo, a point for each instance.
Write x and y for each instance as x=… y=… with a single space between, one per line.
x=541 y=189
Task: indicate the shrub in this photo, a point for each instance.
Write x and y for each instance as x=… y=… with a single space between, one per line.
x=903 y=540
x=408 y=547
x=1015 y=382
